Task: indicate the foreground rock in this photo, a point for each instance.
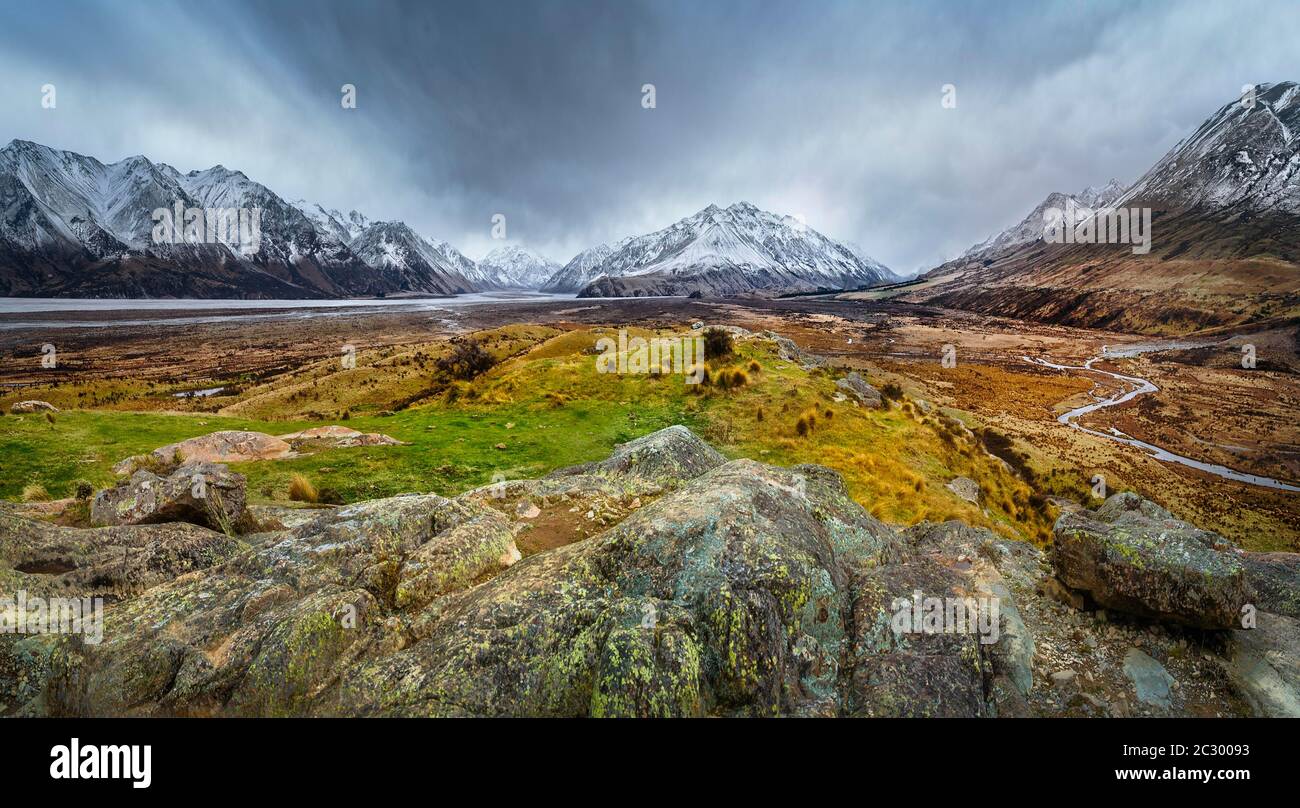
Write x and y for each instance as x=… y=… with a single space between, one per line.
x=201 y=493
x=111 y=562
x=1133 y=556
x=663 y=581
x=28 y=407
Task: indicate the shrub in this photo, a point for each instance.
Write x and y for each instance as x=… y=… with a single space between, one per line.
x=717 y=343
x=34 y=492
x=754 y=367
x=891 y=391
x=732 y=377
x=83 y=489
x=301 y=489
x=829 y=413
x=466 y=360
x=758 y=416
x=807 y=423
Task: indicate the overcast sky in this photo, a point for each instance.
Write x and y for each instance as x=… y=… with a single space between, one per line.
x=823 y=109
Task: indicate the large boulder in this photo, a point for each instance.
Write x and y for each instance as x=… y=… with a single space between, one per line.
x=1131 y=555
x=202 y=493
x=227 y=446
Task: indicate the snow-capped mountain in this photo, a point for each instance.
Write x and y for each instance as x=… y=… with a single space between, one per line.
x=1223 y=243
x=1246 y=156
x=410 y=263
x=1030 y=228
x=513 y=267
x=732 y=251
x=581 y=270
x=73 y=226
x=342 y=227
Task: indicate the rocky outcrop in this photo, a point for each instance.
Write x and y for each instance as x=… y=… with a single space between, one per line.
x=965 y=488
x=862 y=392
x=202 y=493
x=663 y=581
x=1131 y=555
x=28 y=407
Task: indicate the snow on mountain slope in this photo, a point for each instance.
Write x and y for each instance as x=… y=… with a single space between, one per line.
x=410 y=263
x=728 y=251
x=71 y=225
x=1030 y=228
x=513 y=267
x=1245 y=155
x=581 y=270
x=342 y=228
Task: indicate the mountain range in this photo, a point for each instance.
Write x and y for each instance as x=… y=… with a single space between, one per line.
x=71 y=226
x=1225 y=238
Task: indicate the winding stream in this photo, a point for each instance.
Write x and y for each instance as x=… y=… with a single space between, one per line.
x=1131 y=388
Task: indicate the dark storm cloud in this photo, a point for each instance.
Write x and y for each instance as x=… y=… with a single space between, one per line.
x=828 y=110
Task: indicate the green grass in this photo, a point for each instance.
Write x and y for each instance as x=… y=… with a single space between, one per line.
x=452 y=449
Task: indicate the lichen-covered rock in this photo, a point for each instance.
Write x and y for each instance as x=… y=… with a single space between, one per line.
x=913 y=671
x=110 y=562
x=202 y=493
x=861 y=390
x=1264 y=664
x=113 y=563
x=991 y=567
x=729 y=596
x=665 y=582
x=28 y=407
x=270 y=631
x=1133 y=556
x=673 y=454
x=1275 y=578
